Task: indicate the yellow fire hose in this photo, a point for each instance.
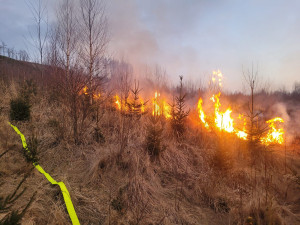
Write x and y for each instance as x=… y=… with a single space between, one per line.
x=62 y=186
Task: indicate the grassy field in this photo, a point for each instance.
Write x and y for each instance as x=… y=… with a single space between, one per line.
x=205 y=178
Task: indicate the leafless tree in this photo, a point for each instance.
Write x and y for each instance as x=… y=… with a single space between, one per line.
x=124 y=76
x=67 y=35
x=93 y=38
x=40 y=34
x=65 y=55
x=23 y=55
x=3 y=46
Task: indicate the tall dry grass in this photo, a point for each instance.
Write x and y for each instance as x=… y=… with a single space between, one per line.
x=185 y=185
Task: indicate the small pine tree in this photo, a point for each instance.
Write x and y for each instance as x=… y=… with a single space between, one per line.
x=19 y=110
x=20 y=107
x=135 y=106
x=178 y=112
x=154 y=137
x=27 y=90
x=221 y=160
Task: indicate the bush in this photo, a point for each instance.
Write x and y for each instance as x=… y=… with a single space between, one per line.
x=178 y=112
x=98 y=136
x=19 y=110
x=31 y=153
x=154 y=138
x=27 y=90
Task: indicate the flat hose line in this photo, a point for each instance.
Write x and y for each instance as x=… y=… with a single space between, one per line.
x=64 y=190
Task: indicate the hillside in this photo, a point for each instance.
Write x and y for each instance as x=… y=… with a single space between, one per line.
x=204 y=177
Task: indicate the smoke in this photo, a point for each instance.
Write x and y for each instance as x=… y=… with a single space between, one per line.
x=194 y=38
x=280 y=110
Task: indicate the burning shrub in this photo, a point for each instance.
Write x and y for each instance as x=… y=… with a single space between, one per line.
x=19 y=109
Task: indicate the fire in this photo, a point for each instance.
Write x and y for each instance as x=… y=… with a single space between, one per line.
x=242 y=133
x=217 y=77
x=156 y=108
x=201 y=113
x=97 y=96
x=166 y=110
x=142 y=106
x=84 y=91
x=222 y=120
x=160 y=107
x=274 y=135
x=118 y=103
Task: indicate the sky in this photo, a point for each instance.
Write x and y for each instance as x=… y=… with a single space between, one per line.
x=191 y=37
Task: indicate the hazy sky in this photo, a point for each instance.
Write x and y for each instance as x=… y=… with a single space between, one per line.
x=192 y=37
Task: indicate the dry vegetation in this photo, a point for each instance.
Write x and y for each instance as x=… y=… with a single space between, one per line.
x=97 y=129
x=203 y=178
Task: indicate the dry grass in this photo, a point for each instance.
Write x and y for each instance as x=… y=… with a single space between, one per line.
x=182 y=187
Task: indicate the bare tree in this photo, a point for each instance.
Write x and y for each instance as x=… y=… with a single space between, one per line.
x=93 y=37
x=3 y=47
x=64 y=44
x=40 y=34
x=23 y=55
x=67 y=35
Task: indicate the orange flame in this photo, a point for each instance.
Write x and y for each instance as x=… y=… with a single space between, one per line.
x=217 y=77
x=201 y=113
x=274 y=135
x=118 y=103
x=84 y=91
x=160 y=107
x=142 y=106
x=166 y=110
x=156 y=108
x=223 y=120
x=242 y=133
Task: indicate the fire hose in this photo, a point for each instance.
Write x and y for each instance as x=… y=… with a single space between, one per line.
x=64 y=190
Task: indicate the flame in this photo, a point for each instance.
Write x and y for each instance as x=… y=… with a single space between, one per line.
x=118 y=103
x=160 y=106
x=222 y=120
x=274 y=135
x=166 y=110
x=242 y=133
x=84 y=91
x=97 y=96
x=156 y=108
x=217 y=76
x=142 y=106
x=201 y=113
